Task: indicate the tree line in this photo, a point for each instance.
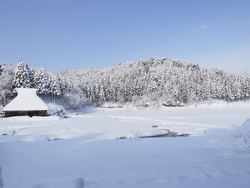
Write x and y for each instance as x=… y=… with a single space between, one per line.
x=155 y=81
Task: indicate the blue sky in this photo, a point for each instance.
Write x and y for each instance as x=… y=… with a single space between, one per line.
x=77 y=34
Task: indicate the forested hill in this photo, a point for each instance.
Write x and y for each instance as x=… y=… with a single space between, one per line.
x=156 y=81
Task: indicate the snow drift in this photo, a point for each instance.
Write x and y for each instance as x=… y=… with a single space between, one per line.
x=240 y=139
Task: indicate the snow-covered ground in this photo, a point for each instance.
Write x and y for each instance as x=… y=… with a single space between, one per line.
x=51 y=152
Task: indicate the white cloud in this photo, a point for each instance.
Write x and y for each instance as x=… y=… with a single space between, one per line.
x=204 y=26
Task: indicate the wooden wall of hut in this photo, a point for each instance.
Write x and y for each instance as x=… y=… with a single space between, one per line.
x=25 y=113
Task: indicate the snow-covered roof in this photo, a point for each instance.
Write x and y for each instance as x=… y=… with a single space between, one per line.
x=26 y=100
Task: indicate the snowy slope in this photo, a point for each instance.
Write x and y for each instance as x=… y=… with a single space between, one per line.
x=239 y=139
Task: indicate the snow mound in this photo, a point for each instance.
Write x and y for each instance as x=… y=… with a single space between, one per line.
x=240 y=139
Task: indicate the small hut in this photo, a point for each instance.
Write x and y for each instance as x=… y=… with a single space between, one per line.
x=27 y=103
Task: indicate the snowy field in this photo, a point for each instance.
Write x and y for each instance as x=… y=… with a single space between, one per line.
x=57 y=152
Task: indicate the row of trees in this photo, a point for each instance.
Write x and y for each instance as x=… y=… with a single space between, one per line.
x=155 y=81
x=21 y=76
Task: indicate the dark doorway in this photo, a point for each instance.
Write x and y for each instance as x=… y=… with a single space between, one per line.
x=33 y=113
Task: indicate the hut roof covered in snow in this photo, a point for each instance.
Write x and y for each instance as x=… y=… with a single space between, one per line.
x=26 y=100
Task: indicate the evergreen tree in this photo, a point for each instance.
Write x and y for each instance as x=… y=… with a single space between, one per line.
x=41 y=81
x=19 y=76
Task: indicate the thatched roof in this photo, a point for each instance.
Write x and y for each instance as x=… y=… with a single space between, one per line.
x=26 y=100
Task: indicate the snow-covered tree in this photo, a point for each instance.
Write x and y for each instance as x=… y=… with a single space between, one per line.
x=22 y=76
x=41 y=81
x=150 y=81
x=75 y=99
